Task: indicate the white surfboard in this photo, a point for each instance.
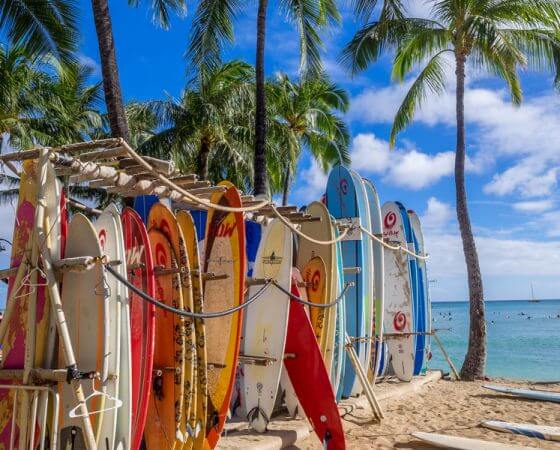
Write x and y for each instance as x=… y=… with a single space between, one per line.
x=124 y=425
x=547 y=396
x=398 y=316
x=84 y=303
x=268 y=320
x=109 y=242
x=379 y=276
x=545 y=432
x=462 y=443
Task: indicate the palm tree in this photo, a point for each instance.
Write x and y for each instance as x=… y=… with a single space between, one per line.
x=500 y=36
x=39 y=27
x=305 y=115
x=213 y=25
x=19 y=95
x=208 y=131
x=109 y=68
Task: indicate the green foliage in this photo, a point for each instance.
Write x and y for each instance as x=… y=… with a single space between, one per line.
x=498 y=36
x=39 y=27
x=213 y=28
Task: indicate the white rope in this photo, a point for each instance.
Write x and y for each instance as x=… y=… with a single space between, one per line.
x=292 y=227
x=209 y=204
x=394 y=248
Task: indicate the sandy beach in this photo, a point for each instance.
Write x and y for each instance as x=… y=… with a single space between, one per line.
x=446 y=407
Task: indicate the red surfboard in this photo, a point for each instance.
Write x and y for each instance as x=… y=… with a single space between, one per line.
x=142 y=318
x=310 y=378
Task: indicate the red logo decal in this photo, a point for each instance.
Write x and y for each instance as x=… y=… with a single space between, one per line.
x=102 y=238
x=344 y=186
x=390 y=220
x=315 y=279
x=399 y=321
x=225 y=230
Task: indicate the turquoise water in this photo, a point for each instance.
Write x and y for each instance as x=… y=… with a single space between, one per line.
x=518 y=346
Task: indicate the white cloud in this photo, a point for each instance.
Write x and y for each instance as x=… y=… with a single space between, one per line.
x=508 y=265
x=437 y=215
x=534 y=206
x=526 y=137
x=410 y=168
x=312 y=185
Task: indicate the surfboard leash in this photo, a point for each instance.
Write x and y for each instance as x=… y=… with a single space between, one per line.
x=182 y=312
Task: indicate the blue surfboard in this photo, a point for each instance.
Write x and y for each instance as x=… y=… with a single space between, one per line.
x=253 y=233
x=143 y=204
x=343 y=203
x=340 y=323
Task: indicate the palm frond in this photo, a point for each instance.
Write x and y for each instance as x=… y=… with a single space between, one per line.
x=430 y=80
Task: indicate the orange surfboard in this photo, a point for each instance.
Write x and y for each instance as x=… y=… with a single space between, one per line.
x=224 y=255
x=161 y=218
x=165 y=407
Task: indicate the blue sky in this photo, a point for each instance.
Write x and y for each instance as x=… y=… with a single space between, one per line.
x=514 y=153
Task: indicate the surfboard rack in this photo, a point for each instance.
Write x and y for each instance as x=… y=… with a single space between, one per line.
x=263 y=361
x=211 y=276
x=256 y=281
x=78 y=264
x=361 y=373
x=352 y=270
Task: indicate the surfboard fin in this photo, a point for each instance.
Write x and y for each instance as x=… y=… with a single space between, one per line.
x=256 y=413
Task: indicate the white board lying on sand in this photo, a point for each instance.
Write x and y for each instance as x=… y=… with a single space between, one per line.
x=526 y=429
x=547 y=396
x=461 y=443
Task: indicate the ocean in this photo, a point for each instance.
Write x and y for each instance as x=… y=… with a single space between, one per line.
x=523 y=338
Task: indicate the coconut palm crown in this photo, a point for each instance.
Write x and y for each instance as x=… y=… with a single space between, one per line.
x=498 y=36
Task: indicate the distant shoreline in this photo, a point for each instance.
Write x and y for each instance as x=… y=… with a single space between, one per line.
x=502 y=300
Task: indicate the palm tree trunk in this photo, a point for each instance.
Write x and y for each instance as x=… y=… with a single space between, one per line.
x=286 y=187
x=202 y=163
x=109 y=69
x=475 y=359
x=259 y=162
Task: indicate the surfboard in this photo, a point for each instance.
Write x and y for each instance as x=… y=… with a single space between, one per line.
x=253 y=235
x=84 y=303
x=399 y=314
x=14 y=342
x=198 y=420
x=165 y=407
x=367 y=269
x=310 y=379
x=378 y=276
x=143 y=204
x=462 y=443
x=140 y=272
x=424 y=309
x=323 y=321
x=337 y=375
x=267 y=320
x=545 y=432
x=290 y=397
x=161 y=218
x=107 y=234
x=314 y=275
x=342 y=202
x=547 y=396
x=224 y=255
x=124 y=424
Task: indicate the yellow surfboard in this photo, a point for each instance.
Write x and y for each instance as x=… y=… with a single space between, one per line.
x=323 y=231
x=315 y=276
x=161 y=218
x=198 y=415
x=165 y=408
x=224 y=256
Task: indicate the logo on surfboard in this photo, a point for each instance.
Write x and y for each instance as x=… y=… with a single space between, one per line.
x=273 y=259
x=344 y=186
x=399 y=321
x=390 y=220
